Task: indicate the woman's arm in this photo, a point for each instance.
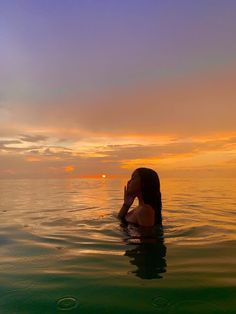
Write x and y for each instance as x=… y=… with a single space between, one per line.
x=128 y=201
x=123 y=211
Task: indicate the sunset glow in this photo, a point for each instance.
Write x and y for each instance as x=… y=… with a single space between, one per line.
x=88 y=86
x=69 y=169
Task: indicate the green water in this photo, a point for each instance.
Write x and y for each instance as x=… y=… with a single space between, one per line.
x=63 y=250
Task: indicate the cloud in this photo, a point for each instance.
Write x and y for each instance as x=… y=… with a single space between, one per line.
x=158 y=149
x=4 y=144
x=115 y=159
x=170 y=149
x=33 y=138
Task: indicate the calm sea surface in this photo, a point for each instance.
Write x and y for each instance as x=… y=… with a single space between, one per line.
x=63 y=250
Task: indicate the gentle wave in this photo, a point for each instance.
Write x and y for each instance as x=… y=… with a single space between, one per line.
x=60 y=241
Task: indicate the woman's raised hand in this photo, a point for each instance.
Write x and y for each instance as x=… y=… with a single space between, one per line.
x=128 y=198
x=128 y=201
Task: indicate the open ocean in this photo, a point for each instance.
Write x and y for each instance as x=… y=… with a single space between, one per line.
x=62 y=249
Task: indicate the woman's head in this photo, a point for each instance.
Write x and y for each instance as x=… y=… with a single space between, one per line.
x=145 y=182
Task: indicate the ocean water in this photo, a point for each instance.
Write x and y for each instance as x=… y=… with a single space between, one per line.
x=62 y=249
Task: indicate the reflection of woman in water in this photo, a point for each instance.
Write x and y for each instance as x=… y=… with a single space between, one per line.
x=145 y=185
x=146 y=250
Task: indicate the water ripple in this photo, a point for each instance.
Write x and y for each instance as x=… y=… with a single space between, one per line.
x=60 y=241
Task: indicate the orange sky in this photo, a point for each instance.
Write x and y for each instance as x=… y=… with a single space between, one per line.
x=115 y=89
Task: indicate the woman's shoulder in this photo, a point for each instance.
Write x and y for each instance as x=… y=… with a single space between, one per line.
x=142 y=214
x=145 y=215
x=131 y=216
x=145 y=208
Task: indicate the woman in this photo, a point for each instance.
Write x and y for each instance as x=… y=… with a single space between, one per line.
x=145 y=185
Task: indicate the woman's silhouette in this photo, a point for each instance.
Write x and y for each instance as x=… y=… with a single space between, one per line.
x=145 y=185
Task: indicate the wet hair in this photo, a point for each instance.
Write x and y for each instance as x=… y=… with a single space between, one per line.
x=150 y=189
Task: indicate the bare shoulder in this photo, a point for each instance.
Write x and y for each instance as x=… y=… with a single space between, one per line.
x=142 y=215
x=131 y=216
x=145 y=215
x=145 y=209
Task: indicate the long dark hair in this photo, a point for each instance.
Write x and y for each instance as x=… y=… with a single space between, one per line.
x=150 y=188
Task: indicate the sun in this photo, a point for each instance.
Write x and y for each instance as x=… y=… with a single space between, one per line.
x=104 y=176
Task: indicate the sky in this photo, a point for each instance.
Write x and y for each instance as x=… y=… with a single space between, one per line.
x=93 y=87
